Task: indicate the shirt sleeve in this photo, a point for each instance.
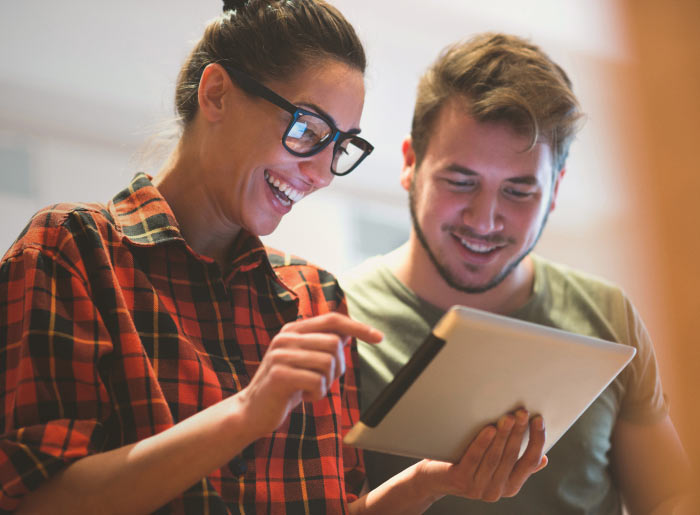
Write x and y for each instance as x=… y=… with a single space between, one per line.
x=51 y=395
x=644 y=400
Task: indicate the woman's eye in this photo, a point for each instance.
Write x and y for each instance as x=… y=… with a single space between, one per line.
x=310 y=135
x=298 y=130
x=303 y=131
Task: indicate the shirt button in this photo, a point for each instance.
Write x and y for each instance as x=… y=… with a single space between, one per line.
x=237 y=466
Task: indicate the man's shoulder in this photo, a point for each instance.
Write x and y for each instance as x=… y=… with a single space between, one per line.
x=371 y=284
x=365 y=273
x=565 y=278
x=580 y=302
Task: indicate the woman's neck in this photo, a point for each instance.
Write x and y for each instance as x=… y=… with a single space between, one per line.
x=203 y=228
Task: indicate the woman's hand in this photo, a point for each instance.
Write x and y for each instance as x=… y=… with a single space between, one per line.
x=301 y=364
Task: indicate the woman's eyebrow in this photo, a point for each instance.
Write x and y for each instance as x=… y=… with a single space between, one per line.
x=322 y=112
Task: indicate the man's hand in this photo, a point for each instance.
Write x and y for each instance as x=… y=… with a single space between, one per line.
x=301 y=363
x=490 y=468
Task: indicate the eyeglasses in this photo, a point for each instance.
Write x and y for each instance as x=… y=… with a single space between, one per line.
x=309 y=133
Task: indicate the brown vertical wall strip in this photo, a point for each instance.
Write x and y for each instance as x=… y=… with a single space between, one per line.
x=665 y=41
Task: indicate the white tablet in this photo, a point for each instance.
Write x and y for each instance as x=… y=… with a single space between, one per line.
x=474 y=367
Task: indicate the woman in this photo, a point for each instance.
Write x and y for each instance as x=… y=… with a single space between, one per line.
x=158 y=357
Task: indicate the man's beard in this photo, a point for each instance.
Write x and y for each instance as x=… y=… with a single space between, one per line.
x=445 y=273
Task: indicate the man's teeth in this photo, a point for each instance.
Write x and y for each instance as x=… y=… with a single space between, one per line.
x=292 y=194
x=481 y=248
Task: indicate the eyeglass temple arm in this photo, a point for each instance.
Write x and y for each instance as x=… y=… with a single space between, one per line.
x=251 y=85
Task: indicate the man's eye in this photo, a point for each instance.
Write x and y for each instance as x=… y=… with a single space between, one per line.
x=518 y=193
x=460 y=184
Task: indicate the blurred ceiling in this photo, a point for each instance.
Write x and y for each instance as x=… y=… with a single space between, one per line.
x=104 y=71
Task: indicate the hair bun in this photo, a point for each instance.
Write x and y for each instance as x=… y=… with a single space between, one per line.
x=230 y=5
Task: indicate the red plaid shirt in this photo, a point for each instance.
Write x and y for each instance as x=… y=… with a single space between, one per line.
x=112 y=330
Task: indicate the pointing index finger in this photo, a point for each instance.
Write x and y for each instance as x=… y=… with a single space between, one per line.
x=339 y=324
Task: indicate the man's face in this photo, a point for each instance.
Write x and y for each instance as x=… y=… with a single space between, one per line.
x=479 y=201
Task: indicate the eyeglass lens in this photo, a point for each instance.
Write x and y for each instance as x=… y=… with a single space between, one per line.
x=348 y=154
x=309 y=132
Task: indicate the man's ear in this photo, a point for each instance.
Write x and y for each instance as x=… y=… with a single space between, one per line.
x=555 y=188
x=409 y=163
x=213 y=85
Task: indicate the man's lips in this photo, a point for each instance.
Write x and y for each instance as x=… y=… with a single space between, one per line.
x=478 y=243
x=479 y=246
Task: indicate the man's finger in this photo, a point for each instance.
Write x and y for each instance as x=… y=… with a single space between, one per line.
x=493 y=455
x=512 y=449
x=532 y=458
x=475 y=452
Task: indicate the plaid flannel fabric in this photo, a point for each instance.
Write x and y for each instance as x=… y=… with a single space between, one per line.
x=112 y=330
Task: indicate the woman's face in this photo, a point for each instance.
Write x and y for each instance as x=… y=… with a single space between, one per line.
x=250 y=177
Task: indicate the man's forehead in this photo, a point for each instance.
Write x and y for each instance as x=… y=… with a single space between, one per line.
x=462 y=144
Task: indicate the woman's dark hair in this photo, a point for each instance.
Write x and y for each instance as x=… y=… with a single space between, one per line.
x=268 y=39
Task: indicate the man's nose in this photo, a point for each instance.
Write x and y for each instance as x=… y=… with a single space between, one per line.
x=482 y=214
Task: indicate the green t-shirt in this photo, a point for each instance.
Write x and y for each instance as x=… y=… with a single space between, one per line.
x=578 y=478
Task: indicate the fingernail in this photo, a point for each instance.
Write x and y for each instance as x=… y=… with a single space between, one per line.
x=505 y=422
x=539 y=422
x=521 y=417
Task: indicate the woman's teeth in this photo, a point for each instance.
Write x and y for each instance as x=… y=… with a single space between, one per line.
x=287 y=191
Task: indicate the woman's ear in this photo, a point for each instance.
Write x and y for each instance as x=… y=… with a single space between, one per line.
x=213 y=86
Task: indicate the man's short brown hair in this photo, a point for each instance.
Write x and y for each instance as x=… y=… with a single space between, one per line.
x=502 y=78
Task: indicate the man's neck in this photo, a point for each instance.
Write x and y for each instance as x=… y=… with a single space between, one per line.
x=412 y=266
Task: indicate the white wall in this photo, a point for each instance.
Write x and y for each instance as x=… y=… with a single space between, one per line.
x=83 y=84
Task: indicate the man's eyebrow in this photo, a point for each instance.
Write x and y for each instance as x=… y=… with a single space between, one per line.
x=326 y=115
x=529 y=180
x=454 y=167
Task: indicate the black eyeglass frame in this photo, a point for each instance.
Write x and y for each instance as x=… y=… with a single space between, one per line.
x=337 y=136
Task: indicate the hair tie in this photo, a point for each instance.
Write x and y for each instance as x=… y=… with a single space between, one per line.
x=230 y=5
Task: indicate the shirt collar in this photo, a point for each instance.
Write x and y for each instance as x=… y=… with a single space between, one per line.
x=249 y=253
x=145 y=219
x=142 y=215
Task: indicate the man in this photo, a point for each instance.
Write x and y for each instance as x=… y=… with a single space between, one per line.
x=492 y=126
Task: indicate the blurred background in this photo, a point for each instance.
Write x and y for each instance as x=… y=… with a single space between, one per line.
x=86 y=86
